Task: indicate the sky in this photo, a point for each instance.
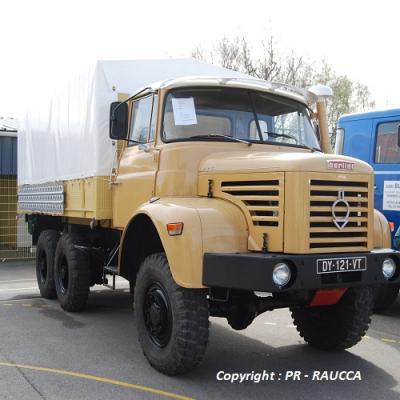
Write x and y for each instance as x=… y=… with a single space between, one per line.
x=42 y=41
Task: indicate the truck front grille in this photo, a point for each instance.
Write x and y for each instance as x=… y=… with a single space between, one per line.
x=344 y=202
x=261 y=199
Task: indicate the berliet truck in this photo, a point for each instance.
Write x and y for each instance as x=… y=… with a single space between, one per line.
x=213 y=194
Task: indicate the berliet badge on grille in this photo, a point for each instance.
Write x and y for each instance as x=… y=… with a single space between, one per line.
x=342 y=220
x=340 y=164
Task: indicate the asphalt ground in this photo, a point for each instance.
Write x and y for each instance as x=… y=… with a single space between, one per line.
x=46 y=353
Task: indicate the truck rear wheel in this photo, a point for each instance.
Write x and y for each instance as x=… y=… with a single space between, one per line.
x=71 y=274
x=45 y=254
x=172 y=321
x=385 y=297
x=336 y=327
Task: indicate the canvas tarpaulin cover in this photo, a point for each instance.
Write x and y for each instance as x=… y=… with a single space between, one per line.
x=67 y=137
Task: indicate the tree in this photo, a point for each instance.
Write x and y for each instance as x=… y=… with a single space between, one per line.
x=292 y=69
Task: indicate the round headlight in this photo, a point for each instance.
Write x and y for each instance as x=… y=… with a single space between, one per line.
x=388 y=268
x=281 y=274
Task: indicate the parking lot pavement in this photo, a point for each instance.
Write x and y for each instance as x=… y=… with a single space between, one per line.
x=46 y=353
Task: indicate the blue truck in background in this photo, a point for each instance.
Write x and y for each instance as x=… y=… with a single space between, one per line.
x=374 y=137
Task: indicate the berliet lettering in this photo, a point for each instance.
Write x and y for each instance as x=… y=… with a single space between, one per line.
x=340 y=220
x=338 y=164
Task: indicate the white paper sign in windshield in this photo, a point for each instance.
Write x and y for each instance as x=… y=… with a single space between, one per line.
x=184 y=111
x=391 y=195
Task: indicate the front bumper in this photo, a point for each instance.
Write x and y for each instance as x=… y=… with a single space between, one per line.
x=253 y=271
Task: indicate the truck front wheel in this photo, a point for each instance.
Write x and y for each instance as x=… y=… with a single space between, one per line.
x=172 y=321
x=45 y=253
x=71 y=273
x=336 y=327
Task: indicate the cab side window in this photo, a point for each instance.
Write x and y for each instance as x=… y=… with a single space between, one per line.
x=141 y=115
x=387 y=143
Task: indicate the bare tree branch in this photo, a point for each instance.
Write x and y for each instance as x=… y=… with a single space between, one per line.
x=237 y=54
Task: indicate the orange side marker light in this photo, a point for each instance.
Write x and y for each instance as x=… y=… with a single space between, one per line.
x=175 y=228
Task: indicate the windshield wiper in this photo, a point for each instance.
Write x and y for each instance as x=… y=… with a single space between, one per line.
x=310 y=148
x=218 y=135
x=275 y=134
x=133 y=141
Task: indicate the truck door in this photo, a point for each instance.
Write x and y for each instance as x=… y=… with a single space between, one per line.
x=386 y=163
x=134 y=184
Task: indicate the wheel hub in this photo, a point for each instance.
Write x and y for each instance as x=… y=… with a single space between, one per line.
x=63 y=276
x=157 y=315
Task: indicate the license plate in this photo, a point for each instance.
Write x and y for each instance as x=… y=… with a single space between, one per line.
x=344 y=264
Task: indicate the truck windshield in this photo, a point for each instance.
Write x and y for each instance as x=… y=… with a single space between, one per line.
x=229 y=114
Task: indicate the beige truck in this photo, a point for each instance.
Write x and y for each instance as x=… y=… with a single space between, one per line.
x=223 y=199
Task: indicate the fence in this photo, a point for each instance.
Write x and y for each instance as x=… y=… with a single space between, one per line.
x=15 y=240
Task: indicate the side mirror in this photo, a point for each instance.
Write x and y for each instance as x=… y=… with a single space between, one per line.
x=118 y=120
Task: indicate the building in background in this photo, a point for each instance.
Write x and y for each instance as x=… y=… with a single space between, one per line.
x=15 y=241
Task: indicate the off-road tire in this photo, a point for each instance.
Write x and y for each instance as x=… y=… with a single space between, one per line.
x=385 y=297
x=189 y=325
x=72 y=291
x=45 y=255
x=336 y=327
